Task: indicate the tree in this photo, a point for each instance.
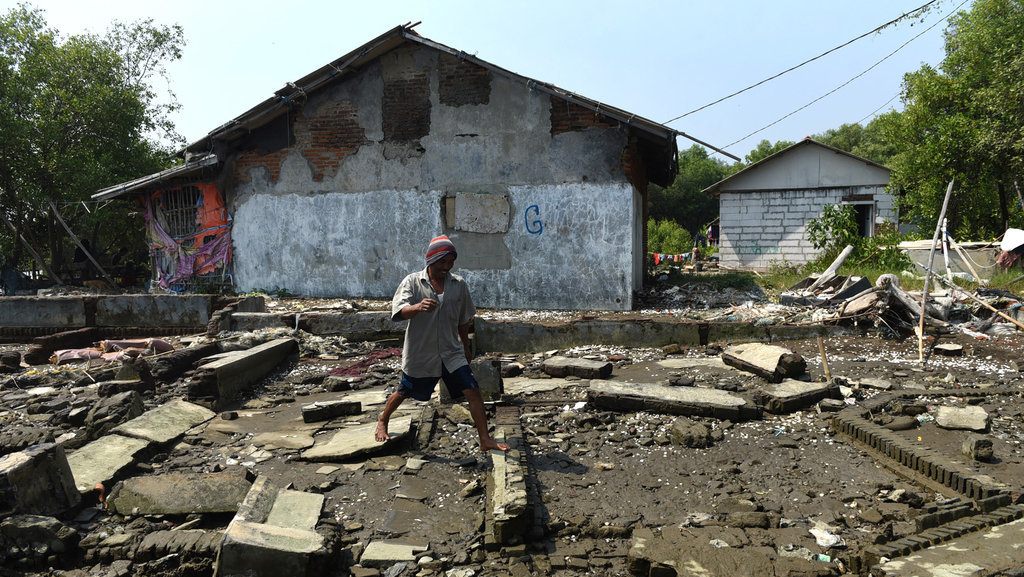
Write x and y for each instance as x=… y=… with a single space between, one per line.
x=79 y=113
x=866 y=141
x=765 y=149
x=965 y=121
x=666 y=236
x=683 y=202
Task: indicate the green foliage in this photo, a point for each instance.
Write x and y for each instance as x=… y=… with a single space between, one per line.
x=834 y=229
x=837 y=227
x=764 y=149
x=683 y=201
x=965 y=121
x=866 y=141
x=668 y=237
x=78 y=113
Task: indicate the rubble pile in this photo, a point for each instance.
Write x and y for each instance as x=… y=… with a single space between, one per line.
x=252 y=452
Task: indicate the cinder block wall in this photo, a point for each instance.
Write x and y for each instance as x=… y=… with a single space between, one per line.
x=761 y=229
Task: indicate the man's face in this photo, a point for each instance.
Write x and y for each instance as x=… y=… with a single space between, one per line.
x=444 y=265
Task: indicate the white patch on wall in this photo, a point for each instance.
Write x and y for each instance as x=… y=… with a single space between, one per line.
x=483 y=213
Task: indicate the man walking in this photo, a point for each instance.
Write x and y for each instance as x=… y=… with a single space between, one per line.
x=439 y=309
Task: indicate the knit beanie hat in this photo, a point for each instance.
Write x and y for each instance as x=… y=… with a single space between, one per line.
x=439 y=247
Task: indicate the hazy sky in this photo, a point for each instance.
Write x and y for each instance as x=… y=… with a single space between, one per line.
x=657 y=59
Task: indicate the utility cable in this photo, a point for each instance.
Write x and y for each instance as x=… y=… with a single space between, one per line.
x=886 y=57
x=872 y=113
x=827 y=52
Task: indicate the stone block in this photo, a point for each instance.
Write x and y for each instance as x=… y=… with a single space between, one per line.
x=971 y=418
x=357 y=441
x=582 y=368
x=37 y=480
x=693 y=401
x=771 y=362
x=327 y=410
x=180 y=494
x=977 y=447
x=103 y=460
x=226 y=379
x=487 y=372
x=166 y=422
x=273 y=533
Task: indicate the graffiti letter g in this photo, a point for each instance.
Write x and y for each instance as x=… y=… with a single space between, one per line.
x=533 y=226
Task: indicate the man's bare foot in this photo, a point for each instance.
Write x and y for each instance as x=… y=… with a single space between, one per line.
x=382 y=432
x=492 y=445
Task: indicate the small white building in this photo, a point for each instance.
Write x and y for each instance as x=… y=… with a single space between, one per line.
x=765 y=208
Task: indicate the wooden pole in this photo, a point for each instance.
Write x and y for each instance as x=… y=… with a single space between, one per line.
x=35 y=254
x=824 y=359
x=928 y=274
x=74 y=237
x=963 y=255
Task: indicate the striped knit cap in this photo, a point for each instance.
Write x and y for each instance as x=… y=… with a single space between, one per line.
x=439 y=247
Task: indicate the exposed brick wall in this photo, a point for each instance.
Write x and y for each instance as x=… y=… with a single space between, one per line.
x=567 y=116
x=406 y=106
x=332 y=134
x=323 y=139
x=461 y=82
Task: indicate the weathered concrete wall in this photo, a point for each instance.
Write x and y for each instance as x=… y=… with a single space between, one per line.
x=763 y=228
x=377 y=162
x=72 y=312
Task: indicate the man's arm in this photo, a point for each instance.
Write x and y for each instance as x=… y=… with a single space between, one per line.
x=424 y=306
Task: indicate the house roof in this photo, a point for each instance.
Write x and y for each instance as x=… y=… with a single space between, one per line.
x=717 y=187
x=657 y=140
x=192 y=166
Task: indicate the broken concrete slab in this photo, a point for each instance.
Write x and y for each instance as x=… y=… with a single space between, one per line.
x=527 y=386
x=520 y=337
x=695 y=363
x=283 y=440
x=792 y=395
x=103 y=460
x=166 y=422
x=771 y=362
x=273 y=533
x=389 y=552
x=357 y=441
x=180 y=494
x=509 y=512
x=226 y=379
x=977 y=447
x=971 y=418
x=949 y=349
x=694 y=401
x=327 y=410
x=582 y=368
x=37 y=480
x=487 y=372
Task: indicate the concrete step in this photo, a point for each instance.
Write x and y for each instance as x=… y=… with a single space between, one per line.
x=273 y=533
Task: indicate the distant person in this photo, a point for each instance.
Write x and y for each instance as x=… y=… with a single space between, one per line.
x=439 y=309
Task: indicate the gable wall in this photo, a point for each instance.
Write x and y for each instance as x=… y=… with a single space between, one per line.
x=341 y=199
x=761 y=229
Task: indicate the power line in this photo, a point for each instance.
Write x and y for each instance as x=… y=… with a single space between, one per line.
x=767 y=126
x=883 y=26
x=872 y=113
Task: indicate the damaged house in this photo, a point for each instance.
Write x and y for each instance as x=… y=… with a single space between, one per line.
x=334 y=186
x=764 y=208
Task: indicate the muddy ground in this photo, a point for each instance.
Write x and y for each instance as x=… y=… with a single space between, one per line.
x=759 y=486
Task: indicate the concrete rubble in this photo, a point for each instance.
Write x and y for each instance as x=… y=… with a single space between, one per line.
x=700 y=447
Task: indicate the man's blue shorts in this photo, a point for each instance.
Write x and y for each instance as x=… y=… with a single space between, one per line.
x=420 y=388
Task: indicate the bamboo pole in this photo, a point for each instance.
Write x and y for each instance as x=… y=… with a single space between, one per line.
x=824 y=359
x=35 y=255
x=74 y=237
x=928 y=273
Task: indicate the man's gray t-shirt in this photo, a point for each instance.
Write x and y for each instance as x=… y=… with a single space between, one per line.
x=433 y=337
